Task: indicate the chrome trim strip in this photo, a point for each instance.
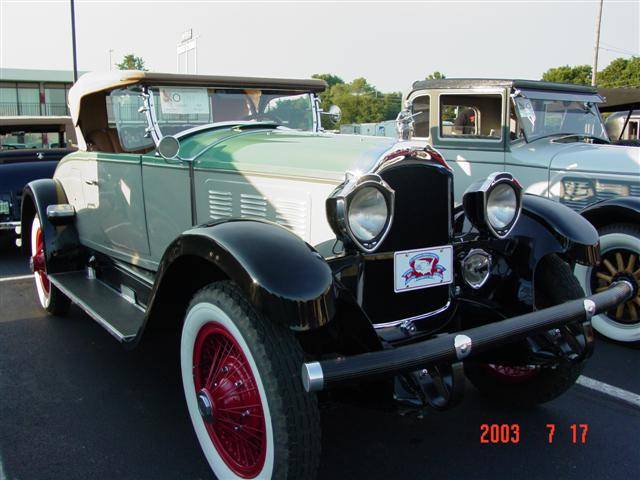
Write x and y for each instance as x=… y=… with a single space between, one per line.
x=139 y=276
x=312 y=377
x=92 y=313
x=396 y=323
x=9 y=225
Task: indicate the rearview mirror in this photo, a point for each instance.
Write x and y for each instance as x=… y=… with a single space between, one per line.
x=169 y=147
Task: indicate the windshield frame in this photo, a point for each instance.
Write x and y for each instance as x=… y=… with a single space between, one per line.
x=590 y=100
x=154 y=129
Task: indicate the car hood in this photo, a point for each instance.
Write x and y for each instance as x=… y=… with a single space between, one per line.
x=585 y=157
x=284 y=152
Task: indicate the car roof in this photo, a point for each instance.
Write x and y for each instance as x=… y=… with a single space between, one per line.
x=94 y=82
x=617 y=99
x=454 y=83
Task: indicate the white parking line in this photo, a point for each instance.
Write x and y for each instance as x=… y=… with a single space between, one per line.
x=18 y=277
x=619 y=393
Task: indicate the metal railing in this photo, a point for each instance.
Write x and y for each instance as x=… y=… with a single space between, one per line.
x=33 y=109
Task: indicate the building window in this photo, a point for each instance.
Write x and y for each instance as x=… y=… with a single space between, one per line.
x=28 y=99
x=55 y=100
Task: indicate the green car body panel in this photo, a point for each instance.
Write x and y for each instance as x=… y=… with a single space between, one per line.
x=139 y=203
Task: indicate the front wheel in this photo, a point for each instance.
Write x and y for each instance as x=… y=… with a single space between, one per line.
x=240 y=373
x=620 y=250
x=529 y=385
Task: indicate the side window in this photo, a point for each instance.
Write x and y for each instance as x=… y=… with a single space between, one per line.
x=123 y=114
x=420 y=108
x=471 y=116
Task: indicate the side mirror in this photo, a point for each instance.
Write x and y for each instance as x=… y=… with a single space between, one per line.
x=169 y=147
x=335 y=112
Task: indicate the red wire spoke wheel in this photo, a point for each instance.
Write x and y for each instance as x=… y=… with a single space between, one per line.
x=241 y=379
x=229 y=400
x=512 y=373
x=37 y=260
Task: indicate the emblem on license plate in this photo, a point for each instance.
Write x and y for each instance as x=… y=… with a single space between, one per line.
x=423 y=268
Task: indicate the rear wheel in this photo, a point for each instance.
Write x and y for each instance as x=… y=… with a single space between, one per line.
x=528 y=385
x=620 y=250
x=241 y=378
x=51 y=299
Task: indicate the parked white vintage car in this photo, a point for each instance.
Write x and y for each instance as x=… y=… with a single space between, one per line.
x=552 y=138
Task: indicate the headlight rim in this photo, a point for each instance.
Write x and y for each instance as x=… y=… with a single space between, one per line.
x=343 y=203
x=476 y=198
x=504 y=231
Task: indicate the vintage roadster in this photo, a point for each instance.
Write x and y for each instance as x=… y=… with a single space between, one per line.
x=552 y=138
x=296 y=262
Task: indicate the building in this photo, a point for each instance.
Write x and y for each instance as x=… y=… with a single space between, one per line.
x=26 y=92
x=381 y=129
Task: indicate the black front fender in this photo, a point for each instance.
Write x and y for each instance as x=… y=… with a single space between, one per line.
x=614 y=210
x=281 y=275
x=555 y=228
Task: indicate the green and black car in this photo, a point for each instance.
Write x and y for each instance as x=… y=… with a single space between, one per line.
x=296 y=262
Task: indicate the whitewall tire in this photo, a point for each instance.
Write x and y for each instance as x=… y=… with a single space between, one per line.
x=240 y=376
x=619 y=247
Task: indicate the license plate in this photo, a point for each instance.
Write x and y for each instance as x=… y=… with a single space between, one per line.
x=4 y=207
x=422 y=268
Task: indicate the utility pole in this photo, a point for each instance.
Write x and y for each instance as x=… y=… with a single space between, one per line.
x=73 y=42
x=110 y=59
x=596 y=47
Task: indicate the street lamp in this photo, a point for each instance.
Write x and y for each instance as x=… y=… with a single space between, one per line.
x=73 y=42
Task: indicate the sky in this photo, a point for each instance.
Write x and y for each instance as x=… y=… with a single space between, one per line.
x=391 y=44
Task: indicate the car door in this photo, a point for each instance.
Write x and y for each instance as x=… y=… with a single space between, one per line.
x=467 y=128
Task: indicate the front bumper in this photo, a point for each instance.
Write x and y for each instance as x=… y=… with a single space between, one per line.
x=454 y=347
x=9 y=225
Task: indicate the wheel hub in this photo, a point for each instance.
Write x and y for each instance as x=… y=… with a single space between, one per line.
x=617 y=265
x=205 y=405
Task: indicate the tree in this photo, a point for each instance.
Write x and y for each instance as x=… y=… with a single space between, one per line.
x=329 y=78
x=621 y=72
x=580 y=74
x=435 y=76
x=131 y=62
x=359 y=101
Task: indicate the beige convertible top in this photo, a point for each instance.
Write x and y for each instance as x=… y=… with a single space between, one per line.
x=94 y=82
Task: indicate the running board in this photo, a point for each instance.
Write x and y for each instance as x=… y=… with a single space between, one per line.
x=119 y=316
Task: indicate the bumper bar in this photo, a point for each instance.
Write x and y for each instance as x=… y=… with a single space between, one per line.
x=9 y=225
x=454 y=347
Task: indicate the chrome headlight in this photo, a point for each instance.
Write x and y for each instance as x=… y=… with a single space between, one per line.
x=361 y=211
x=502 y=206
x=494 y=204
x=367 y=214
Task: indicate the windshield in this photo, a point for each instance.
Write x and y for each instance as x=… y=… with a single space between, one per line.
x=180 y=108
x=547 y=117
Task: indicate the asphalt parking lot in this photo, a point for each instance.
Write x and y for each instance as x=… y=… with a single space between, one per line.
x=75 y=405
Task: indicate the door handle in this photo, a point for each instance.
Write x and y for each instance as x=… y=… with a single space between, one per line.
x=92 y=182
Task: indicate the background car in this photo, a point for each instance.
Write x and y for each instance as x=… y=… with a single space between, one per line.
x=552 y=138
x=22 y=162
